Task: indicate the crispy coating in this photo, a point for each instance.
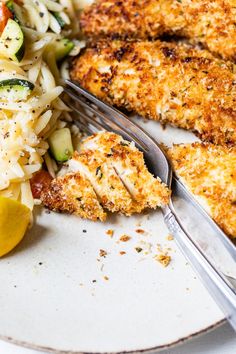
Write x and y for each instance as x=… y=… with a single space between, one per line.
x=111 y=192
x=74 y=194
x=168 y=82
x=211 y=23
x=129 y=164
x=209 y=172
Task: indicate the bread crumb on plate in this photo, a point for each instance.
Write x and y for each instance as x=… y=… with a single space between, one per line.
x=110 y=232
x=164 y=259
x=125 y=238
x=102 y=253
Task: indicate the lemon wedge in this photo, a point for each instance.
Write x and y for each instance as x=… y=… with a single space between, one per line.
x=14 y=220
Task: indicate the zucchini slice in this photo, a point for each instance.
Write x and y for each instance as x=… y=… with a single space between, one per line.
x=15 y=89
x=63 y=48
x=60 y=144
x=10 y=6
x=12 y=41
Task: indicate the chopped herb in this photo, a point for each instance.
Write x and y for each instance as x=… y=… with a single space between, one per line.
x=99 y=172
x=98 y=169
x=6 y=135
x=122 y=143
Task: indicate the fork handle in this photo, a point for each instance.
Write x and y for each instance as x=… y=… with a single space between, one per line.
x=216 y=285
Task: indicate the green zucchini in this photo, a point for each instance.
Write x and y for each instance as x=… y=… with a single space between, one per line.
x=15 y=89
x=60 y=144
x=12 y=41
x=10 y=6
x=62 y=48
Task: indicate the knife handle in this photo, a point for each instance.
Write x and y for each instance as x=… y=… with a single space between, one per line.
x=214 y=282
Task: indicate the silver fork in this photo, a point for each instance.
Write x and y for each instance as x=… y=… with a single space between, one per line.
x=206 y=247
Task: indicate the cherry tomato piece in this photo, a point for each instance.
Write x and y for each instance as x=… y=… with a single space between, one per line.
x=39 y=182
x=5 y=14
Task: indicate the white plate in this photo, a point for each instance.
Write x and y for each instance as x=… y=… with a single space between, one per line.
x=49 y=298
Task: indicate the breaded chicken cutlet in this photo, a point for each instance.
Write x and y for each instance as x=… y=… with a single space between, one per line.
x=209 y=173
x=167 y=82
x=211 y=23
x=108 y=173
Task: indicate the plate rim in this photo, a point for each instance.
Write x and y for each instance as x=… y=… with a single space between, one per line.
x=157 y=348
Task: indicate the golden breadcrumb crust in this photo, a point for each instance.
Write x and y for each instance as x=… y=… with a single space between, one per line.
x=211 y=23
x=74 y=194
x=209 y=172
x=168 y=82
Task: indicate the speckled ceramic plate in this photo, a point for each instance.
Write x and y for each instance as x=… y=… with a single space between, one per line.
x=58 y=292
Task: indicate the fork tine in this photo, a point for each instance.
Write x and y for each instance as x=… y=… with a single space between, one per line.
x=109 y=124
x=86 y=118
x=84 y=127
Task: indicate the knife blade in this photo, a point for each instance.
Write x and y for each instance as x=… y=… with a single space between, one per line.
x=204 y=232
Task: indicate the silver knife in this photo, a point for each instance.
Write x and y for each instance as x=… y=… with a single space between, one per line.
x=208 y=236
x=206 y=247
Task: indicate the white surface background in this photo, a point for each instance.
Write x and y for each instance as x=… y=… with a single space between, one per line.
x=219 y=341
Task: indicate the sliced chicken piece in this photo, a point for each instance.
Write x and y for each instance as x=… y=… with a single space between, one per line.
x=74 y=194
x=209 y=172
x=128 y=162
x=109 y=173
x=99 y=171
